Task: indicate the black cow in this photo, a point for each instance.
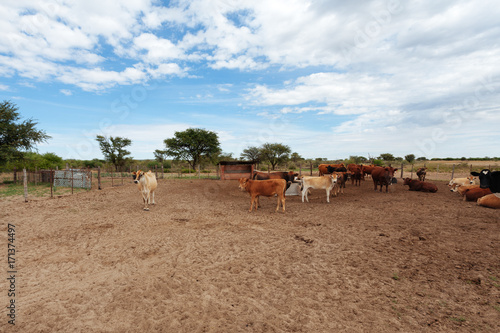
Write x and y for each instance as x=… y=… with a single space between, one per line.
x=334 y=169
x=489 y=179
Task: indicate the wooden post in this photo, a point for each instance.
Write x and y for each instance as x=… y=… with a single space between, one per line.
x=72 y=181
x=411 y=175
x=453 y=172
x=402 y=166
x=300 y=170
x=162 y=171
x=51 y=182
x=99 y=178
x=25 y=182
x=112 y=183
x=15 y=175
x=311 y=166
x=36 y=174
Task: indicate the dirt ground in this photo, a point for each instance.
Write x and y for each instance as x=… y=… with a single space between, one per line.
x=198 y=261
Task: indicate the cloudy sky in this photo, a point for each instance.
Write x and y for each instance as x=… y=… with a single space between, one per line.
x=328 y=78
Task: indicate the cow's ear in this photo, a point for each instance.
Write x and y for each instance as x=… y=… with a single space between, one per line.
x=395 y=169
x=474 y=173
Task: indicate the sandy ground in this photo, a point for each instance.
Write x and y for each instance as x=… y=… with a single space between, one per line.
x=199 y=262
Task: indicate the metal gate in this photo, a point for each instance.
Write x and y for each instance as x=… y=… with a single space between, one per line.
x=73 y=178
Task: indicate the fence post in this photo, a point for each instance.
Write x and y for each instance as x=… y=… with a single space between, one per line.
x=453 y=171
x=300 y=170
x=25 y=182
x=411 y=175
x=51 y=182
x=15 y=175
x=98 y=177
x=402 y=166
x=71 y=180
x=311 y=166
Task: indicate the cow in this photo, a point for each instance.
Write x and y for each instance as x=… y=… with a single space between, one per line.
x=421 y=172
x=267 y=188
x=476 y=193
x=146 y=182
x=356 y=175
x=327 y=183
x=456 y=182
x=489 y=179
x=289 y=176
x=323 y=168
x=490 y=201
x=383 y=176
x=462 y=189
x=367 y=169
x=417 y=185
x=331 y=169
x=340 y=185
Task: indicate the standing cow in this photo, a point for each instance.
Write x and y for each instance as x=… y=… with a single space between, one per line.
x=146 y=182
x=267 y=188
x=383 y=176
x=421 y=173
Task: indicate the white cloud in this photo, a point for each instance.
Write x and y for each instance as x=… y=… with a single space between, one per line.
x=66 y=92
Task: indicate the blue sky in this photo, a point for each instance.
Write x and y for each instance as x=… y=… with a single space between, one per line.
x=328 y=78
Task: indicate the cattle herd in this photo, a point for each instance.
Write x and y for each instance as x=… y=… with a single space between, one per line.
x=482 y=187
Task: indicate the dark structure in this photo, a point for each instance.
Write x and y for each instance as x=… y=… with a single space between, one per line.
x=230 y=170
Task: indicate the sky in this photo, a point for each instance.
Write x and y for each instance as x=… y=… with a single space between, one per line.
x=330 y=79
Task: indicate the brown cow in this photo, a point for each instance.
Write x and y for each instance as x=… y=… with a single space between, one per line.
x=367 y=169
x=417 y=185
x=266 y=188
x=323 y=168
x=462 y=189
x=356 y=175
x=475 y=193
x=421 y=172
x=383 y=176
x=490 y=201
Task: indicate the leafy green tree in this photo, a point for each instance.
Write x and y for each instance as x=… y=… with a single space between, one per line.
x=275 y=153
x=410 y=158
x=16 y=137
x=357 y=159
x=295 y=157
x=192 y=145
x=251 y=154
x=114 y=150
x=386 y=157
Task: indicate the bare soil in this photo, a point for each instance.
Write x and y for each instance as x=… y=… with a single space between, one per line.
x=198 y=261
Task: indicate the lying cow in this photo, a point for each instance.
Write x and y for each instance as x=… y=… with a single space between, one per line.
x=476 y=193
x=462 y=189
x=383 y=176
x=456 y=182
x=490 y=201
x=318 y=183
x=267 y=188
x=146 y=182
x=417 y=185
x=489 y=179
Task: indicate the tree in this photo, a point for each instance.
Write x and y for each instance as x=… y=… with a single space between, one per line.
x=114 y=150
x=193 y=144
x=295 y=157
x=357 y=159
x=17 y=138
x=386 y=157
x=410 y=158
x=251 y=154
x=275 y=153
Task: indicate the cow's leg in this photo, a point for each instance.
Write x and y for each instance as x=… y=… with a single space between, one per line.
x=145 y=197
x=153 y=194
x=303 y=193
x=328 y=195
x=283 y=202
x=251 y=203
x=375 y=184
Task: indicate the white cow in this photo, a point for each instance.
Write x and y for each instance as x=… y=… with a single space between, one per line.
x=326 y=182
x=146 y=182
x=455 y=183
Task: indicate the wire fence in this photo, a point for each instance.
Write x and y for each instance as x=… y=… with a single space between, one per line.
x=50 y=183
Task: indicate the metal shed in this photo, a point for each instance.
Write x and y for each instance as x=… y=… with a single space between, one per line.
x=230 y=170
